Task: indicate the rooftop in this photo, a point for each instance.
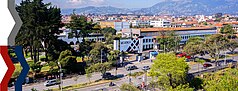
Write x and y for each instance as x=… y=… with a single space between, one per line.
x=174 y=29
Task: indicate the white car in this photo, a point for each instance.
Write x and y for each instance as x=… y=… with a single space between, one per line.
x=51 y=82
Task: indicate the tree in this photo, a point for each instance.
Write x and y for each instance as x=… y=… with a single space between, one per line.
x=227 y=29
x=109 y=30
x=68 y=61
x=128 y=87
x=98 y=50
x=89 y=72
x=100 y=67
x=222 y=81
x=80 y=27
x=184 y=87
x=109 y=34
x=40 y=24
x=231 y=45
x=36 y=68
x=214 y=44
x=170 y=70
x=194 y=46
x=169 y=41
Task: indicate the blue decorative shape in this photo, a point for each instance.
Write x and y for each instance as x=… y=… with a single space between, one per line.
x=25 y=68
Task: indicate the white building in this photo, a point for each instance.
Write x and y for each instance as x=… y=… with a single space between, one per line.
x=121 y=25
x=139 y=23
x=160 y=23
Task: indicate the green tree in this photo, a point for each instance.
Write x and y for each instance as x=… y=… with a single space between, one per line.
x=184 y=87
x=109 y=34
x=169 y=41
x=128 y=87
x=36 y=68
x=194 y=46
x=89 y=72
x=231 y=45
x=221 y=81
x=214 y=44
x=41 y=22
x=100 y=67
x=109 y=30
x=98 y=50
x=81 y=27
x=170 y=70
x=227 y=29
x=68 y=61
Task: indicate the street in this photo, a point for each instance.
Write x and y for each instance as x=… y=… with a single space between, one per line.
x=122 y=70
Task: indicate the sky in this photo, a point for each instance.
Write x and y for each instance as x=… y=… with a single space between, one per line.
x=115 y=3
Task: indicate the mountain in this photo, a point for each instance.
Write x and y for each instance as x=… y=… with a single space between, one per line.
x=191 y=7
x=97 y=10
x=171 y=7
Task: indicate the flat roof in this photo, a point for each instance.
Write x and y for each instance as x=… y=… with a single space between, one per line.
x=175 y=29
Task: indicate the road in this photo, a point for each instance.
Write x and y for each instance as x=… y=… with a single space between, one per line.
x=97 y=76
x=84 y=79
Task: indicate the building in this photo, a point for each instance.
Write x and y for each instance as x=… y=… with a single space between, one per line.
x=118 y=25
x=184 y=33
x=139 y=23
x=73 y=41
x=160 y=23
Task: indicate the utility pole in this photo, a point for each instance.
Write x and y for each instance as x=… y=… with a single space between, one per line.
x=61 y=74
x=101 y=55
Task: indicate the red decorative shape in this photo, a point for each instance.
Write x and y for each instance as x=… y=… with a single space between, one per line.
x=10 y=70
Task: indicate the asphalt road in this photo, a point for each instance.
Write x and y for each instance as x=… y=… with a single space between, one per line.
x=97 y=76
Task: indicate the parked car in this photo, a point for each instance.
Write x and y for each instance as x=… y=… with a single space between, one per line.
x=146 y=68
x=52 y=82
x=205 y=65
x=108 y=75
x=183 y=54
x=131 y=68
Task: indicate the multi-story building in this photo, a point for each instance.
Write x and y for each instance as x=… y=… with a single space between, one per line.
x=160 y=23
x=183 y=33
x=118 y=25
x=138 y=23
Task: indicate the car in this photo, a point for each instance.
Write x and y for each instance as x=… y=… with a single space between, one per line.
x=131 y=68
x=108 y=75
x=183 y=54
x=52 y=82
x=205 y=65
x=146 y=68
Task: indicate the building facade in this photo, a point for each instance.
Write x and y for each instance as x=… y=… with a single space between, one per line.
x=160 y=23
x=118 y=25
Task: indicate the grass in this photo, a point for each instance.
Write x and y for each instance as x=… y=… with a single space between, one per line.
x=18 y=68
x=82 y=85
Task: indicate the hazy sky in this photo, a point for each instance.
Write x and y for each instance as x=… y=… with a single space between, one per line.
x=114 y=3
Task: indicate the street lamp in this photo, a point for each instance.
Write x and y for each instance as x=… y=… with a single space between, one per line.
x=130 y=77
x=61 y=83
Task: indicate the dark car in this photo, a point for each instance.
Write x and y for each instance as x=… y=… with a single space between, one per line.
x=107 y=75
x=131 y=68
x=146 y=68
x=205 y=65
